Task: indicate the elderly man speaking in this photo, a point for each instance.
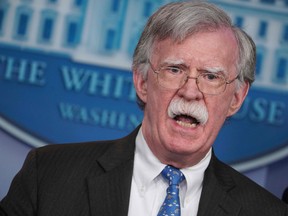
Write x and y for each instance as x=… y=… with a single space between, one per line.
x=192 y=69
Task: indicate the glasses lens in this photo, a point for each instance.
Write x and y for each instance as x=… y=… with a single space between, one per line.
x=171 y=77
x=210 y=83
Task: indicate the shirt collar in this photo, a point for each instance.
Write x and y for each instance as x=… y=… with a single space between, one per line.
x=194 y=177
x=147 y=167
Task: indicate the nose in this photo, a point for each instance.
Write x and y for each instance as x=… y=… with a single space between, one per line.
x=190 y=90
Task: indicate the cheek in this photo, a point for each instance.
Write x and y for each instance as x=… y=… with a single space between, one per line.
x=218 y=108
x=157 y=97
x=158 y=101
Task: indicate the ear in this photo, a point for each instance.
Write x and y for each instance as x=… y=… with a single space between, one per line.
x=140 y=85
x=238 y=99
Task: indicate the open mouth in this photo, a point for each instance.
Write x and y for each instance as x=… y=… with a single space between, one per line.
x=187 y=114
x=186 y=121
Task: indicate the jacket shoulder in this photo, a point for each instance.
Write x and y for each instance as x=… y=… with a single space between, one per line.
x=251 y=196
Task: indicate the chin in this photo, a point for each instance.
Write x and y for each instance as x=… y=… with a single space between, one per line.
x=184 y=148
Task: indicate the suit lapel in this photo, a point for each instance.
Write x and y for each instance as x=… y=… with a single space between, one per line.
x=109 y=192
x=215 y=199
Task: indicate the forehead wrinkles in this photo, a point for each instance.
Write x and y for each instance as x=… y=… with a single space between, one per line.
x=168 y=58
x=189 y=59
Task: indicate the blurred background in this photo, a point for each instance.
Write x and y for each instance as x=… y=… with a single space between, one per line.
x=65 y=76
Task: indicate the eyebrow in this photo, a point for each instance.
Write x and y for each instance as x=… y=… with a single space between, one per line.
x=215 y=70
x=183 y=63
x=173 y=62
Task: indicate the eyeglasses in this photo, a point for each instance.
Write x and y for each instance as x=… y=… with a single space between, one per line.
x=175 y=77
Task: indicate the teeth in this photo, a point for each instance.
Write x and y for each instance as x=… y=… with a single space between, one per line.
x=180 y=107
x=185 y=124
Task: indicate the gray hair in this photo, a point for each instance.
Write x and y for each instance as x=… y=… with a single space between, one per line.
x=179 y=20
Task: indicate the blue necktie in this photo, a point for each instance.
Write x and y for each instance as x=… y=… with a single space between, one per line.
x=171 y=205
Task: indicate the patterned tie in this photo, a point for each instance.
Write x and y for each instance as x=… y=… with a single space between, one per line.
x=171 y=205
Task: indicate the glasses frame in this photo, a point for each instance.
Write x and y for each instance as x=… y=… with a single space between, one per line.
x=227 y=82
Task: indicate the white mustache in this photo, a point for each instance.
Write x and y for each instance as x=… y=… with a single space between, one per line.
x=193 y=109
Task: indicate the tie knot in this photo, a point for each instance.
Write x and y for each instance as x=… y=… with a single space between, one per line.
x=173 y=175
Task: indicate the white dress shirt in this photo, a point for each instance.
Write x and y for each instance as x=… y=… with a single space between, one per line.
x=148 y=189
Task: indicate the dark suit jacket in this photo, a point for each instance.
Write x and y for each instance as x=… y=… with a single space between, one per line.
x=285 y=195
x=94 y=179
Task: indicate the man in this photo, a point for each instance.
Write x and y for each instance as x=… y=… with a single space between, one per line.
x=192 y=69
